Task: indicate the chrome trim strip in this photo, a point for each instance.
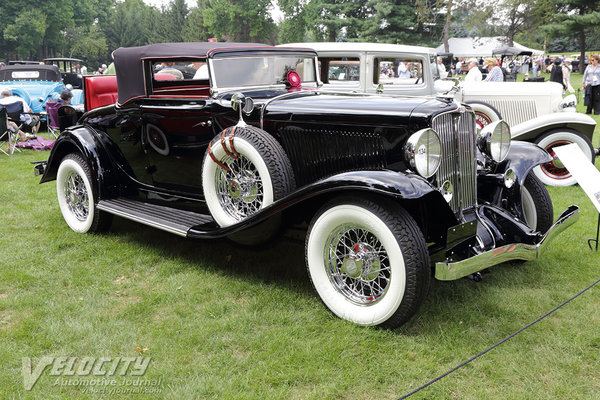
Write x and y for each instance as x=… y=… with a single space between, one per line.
x=447 y=271
x=141 y=220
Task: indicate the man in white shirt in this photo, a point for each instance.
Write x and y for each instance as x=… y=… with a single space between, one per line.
x=32 y=121
x=474 y=74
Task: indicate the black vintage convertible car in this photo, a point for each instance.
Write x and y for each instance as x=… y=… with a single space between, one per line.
x=395 y=190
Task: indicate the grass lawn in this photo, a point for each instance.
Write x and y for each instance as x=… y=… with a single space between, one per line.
x=224 y=322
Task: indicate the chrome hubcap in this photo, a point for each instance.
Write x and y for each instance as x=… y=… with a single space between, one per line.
x=357 y=264
x=76 y=196
x=239 y=190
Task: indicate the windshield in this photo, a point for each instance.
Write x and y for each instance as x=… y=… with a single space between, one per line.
x=261 y=70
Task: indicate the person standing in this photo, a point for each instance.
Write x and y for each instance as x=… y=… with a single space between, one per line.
x=442 y=68
x=556 y=75
x=566 y=70
x=474 y=74
x=591 y=86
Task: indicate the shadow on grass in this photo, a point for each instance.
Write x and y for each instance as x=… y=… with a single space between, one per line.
x=279 y=262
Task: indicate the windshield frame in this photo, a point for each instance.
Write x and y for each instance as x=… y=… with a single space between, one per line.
x=215 y=89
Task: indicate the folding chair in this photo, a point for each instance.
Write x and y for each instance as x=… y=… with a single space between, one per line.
x=67 y=116
x=10 y=113
x=53 y=124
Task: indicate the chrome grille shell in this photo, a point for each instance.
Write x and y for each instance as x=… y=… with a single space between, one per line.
x=459 y=161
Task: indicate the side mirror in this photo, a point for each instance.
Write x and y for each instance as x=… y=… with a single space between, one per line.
x=246 y=104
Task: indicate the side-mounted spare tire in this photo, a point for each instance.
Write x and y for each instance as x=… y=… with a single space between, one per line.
x=244 y=170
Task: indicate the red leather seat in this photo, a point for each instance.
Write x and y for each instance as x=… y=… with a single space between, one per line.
x=100 y=90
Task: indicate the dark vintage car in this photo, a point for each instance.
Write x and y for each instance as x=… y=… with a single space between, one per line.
x=395 y=190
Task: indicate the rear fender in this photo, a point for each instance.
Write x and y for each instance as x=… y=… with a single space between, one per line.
x=534 y=128
x=88 y=143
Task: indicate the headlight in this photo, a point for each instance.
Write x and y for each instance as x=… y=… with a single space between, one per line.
x=423 y=150
x=494 y=140
x=569 y=103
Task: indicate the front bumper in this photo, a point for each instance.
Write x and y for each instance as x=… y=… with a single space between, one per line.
x=447 y=271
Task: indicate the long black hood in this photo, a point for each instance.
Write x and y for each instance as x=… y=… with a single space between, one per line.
x=355 y=109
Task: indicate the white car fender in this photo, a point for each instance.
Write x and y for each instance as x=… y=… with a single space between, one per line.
x=532 y=128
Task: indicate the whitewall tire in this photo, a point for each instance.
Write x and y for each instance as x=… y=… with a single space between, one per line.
x=368 y=262
x=537 y=204
x=76 y=198
x=554 y=173
x=248 y=177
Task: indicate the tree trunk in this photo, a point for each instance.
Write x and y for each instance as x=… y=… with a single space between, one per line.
x=447 y=26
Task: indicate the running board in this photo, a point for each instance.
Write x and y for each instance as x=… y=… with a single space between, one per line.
x=165 y=218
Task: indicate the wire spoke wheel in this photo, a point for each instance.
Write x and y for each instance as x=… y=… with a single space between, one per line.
x=368 y=261
x=76 y=196
x=239 y=190
x=357 y=264
x=244 y=174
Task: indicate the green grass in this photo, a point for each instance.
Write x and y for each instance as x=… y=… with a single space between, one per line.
x=225 y=322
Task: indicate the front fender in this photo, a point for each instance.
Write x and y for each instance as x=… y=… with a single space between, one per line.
x=532 y=129
x=523 y=157
x=414 y=192
x=88 y=143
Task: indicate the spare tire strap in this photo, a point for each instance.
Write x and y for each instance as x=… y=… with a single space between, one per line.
x=219 y=163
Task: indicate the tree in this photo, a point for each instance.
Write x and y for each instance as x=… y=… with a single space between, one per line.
x=295 y=24
x=195 y=30
x=239 y=20
x=26 y=33
x=575 y=18
x=90 y=46
x=174 y=21
x=396 y=22
x=130 y=24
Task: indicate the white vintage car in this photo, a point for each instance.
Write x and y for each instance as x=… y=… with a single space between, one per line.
x=536 y=111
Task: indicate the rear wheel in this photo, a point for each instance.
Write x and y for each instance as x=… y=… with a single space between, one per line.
x=76 y=196
x=368 y=262
x=554 y=172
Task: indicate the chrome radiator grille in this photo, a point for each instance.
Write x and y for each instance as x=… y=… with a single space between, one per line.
x=459 y=165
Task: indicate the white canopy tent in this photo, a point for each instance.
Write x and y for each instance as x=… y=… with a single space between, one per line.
x=480 y=46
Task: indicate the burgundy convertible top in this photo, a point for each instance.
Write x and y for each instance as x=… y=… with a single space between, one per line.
x=129 y=60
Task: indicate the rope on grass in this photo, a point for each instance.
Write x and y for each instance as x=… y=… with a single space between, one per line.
x=431 y=382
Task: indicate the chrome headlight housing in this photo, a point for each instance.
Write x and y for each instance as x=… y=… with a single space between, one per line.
x=423 y=150
x=494 y=140
x=569 y=103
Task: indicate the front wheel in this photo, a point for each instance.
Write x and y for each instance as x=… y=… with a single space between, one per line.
x=76 y=197
x=536 y=204
x=554 y=172
x=368 y=262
